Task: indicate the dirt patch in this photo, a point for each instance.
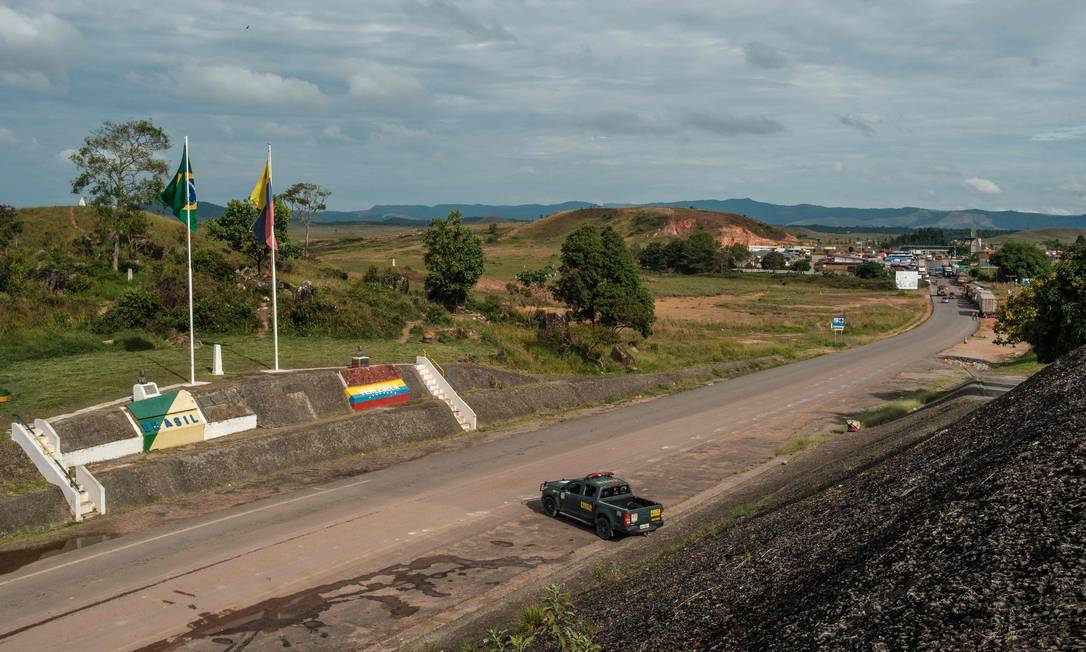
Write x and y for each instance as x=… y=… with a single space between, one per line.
x=980 y=349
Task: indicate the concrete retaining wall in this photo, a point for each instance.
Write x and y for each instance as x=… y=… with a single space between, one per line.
x=173 y=472
x=33 y=510
x=493 y=406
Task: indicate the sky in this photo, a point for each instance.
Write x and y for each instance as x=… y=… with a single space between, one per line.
x=935 y=103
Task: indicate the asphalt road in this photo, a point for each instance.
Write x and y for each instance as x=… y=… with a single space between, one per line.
x=366 y=561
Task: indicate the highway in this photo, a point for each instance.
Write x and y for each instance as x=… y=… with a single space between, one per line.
x=369 y=561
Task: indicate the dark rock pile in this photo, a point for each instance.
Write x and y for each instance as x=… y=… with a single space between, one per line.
x=975 y=538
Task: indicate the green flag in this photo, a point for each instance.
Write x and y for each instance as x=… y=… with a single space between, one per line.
x=174 y=196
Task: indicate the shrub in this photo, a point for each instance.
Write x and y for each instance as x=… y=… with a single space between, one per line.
x=136 y=308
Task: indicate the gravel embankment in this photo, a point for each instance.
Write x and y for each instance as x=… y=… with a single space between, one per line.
x=973 y=538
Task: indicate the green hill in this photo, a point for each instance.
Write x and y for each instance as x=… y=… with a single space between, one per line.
x=646 y=223
x=1040 y=236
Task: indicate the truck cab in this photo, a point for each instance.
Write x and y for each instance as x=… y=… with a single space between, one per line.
x=603 y=501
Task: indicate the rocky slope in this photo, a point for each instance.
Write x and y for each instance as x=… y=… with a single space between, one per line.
x=973 y=538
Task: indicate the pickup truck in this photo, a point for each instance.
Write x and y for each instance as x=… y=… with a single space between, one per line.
x=603 y=501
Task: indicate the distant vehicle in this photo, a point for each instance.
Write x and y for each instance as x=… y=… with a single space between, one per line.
x=946 y=300
x=603 y=501
x=953 y=296
x=986 y=302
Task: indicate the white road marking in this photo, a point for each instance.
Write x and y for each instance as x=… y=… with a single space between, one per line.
x=190 y=528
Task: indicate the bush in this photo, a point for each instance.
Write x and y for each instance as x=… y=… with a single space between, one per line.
x=136 y=308
x=363 y=312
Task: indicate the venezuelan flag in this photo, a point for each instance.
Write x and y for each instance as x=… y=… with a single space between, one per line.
x=264 y=226
x=385 y=392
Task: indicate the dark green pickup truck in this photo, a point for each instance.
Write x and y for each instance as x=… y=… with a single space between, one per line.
x=603 y=501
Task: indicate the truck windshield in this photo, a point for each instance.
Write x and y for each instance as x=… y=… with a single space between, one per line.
x=617 y=490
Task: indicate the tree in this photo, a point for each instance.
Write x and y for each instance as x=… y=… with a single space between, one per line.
x=701 y=254
x=235 y=228
x=872 y=270
x=1051 y=314
x=454 y=261
x=801 y=266
x=653 y=257
x=117 y=165
x=599 y=281
x=773 y=260
x=10 y=226
x=306 y=200
x=1021 y=259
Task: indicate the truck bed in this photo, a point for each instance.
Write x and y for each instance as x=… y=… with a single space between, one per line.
x=629 y=502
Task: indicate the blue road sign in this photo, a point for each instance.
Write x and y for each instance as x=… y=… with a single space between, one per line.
x=838 y=323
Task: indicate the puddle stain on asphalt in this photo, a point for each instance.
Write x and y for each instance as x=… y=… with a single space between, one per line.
x=13 y=560
x=235 y=630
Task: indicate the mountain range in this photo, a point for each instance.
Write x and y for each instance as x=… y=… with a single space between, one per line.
x=784 y=215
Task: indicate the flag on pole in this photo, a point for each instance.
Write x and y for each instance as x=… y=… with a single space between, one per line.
x=264 y=226
x=174 y=196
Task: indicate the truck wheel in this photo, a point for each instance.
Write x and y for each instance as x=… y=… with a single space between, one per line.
x=550 y=508
x=603 y=528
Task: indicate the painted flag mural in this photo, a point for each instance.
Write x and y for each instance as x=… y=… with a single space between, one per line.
x=377 y=386
x=180 y=195
x=264 y=226
x=167 y=420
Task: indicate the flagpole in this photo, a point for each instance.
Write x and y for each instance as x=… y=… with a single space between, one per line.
x=188 y=237
x=275 y=284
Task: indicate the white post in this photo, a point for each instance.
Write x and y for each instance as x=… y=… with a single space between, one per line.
x=188 y=239
x=216 y=364
x=275 y=283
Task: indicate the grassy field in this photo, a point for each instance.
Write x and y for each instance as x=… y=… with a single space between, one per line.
x=1040 y=236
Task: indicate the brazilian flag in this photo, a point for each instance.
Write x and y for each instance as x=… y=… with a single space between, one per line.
x=181 y=196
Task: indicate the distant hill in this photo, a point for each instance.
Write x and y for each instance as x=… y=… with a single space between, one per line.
x=908 y=217
x=648 y=223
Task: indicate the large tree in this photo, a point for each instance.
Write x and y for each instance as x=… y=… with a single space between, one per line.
x=235 y=228
x=117 y=165
x=1021 y=260
x=1050 y=315
x=454 y=261
x=10 y=226
x=306 y=200
x=599 y=282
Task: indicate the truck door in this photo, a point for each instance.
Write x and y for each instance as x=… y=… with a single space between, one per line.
x=587 y=504
x=571 y=498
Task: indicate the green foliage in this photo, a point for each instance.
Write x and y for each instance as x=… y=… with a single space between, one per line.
x=503 y=641
x=1059 y=325
x=136 y=308
x=454 y=261
x=872 y=270
x=47 y=345
x=923 y=236
x=534 y=277
x=235 y=228
x=699 y=253
x=801 y=266
x=1022 y=260
x=598 y=281
x=1016 y=316
x=358 y=312
x=10 y=226
x=774 y=260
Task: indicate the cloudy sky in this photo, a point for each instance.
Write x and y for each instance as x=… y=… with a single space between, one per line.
x=938 y=103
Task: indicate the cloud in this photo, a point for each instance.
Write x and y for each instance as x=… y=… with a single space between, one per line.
x=33 y=49
x=375 y=84
x=726 y=124
x=1063 y=133
x=231 y=84
x=760 y=55
x=65 y=155
x=7 y=136
x=838 y=167
x=859 y=124
x=985 y=186
x=447 y=13
x=335 y=132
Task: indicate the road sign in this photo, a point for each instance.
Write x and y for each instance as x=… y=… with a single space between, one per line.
x=838 y=323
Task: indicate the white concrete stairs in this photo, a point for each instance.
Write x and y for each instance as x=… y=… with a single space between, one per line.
x=87 y=508
x=442 y=390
